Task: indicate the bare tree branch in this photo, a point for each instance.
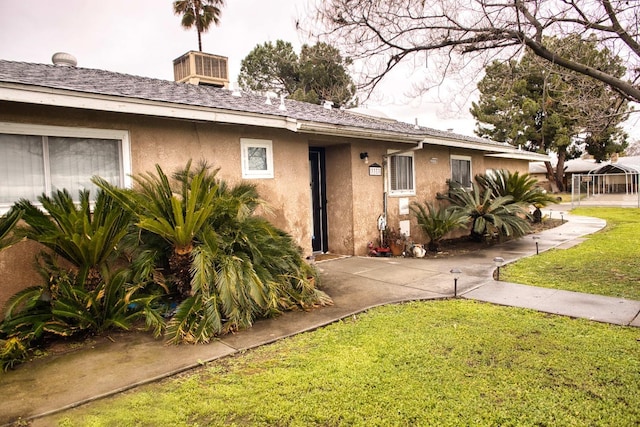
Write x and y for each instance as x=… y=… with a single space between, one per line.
x=385 y=33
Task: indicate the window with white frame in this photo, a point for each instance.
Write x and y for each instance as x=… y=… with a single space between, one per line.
x=461 y=170
x=257 y=158
x=402 y=179
x=37 y=159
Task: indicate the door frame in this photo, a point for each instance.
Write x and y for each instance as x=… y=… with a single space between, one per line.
x=318 y=195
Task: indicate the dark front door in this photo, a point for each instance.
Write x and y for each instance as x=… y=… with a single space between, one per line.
x=318 y=185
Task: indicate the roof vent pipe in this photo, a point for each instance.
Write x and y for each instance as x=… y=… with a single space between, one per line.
x=282 y=107
x=64 y=59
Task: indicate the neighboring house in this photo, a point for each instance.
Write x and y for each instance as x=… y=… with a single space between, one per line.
x=327 y=174
x=538 y=170
x=618 y=175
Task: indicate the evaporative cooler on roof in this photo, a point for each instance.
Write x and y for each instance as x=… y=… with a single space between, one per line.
x=201 y=69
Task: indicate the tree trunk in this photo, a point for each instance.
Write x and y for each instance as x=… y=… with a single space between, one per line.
x=180 y=265
x=562 y=155
x=551 y=176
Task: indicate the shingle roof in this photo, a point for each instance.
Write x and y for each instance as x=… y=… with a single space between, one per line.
x=101 y=82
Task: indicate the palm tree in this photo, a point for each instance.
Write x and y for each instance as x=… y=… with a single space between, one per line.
x=85 y=235
x=91 y=292
x=176 y=212
x=201 y=13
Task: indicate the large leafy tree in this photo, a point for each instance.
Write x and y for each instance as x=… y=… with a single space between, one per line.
x=318 y=74
x=198 y=13
x=384 y=34
x=542 y=107
x=270 y=67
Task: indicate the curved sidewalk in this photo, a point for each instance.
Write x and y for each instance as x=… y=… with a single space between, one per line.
x=43 y=387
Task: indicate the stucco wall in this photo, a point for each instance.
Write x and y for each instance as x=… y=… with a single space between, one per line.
x=355 y=199
x=171 y=143
x=339 y=195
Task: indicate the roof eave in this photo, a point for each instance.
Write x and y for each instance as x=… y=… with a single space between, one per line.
x=118 y=104
x=355 y=132
x=39 y=95
x=521 y=155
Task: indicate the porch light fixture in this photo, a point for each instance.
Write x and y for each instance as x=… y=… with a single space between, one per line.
x=535 y=239
x=365 y=156
x=456 y=275
x=434 y=160
x=498 y=261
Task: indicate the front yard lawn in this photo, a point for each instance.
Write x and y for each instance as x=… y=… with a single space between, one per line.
x=607 y=263
x=446 y=363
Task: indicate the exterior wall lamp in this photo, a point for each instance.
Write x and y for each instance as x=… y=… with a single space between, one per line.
x=365 y=156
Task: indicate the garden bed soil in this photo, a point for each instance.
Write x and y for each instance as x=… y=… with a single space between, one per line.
x=464 y=245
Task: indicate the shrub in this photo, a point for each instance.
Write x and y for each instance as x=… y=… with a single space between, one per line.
x=88 y=295
x=522 y=188
x=438 y=222
x=227 y=265
x=489 y=214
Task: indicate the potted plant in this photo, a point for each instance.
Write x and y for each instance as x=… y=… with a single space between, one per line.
x=395 y=241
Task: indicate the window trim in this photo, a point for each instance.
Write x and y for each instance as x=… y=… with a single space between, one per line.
x=245 y=144
x=460 y=157
x=402 y=193
x=76 y=132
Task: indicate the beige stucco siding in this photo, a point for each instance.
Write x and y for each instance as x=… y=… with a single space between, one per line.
x=171 y=143
x=355 y=199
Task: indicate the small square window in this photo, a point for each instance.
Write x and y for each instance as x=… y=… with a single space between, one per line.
x=257 y=158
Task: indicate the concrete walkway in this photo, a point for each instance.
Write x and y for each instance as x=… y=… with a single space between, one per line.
x=36 y=390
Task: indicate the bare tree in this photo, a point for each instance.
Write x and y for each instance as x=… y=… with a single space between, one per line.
x=388 y=32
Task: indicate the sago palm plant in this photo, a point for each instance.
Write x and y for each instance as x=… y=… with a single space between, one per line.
x=521 y=187
x=489 y=214
x=176 y=212
x=437 y=222
x=86 y=236
x=90 y=293
x=7 y=224
x=230 y=266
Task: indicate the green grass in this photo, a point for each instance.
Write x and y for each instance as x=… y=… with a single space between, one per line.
x=607 y=263
x=445 y=363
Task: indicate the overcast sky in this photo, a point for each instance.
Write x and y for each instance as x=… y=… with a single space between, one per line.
x=143 y=37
